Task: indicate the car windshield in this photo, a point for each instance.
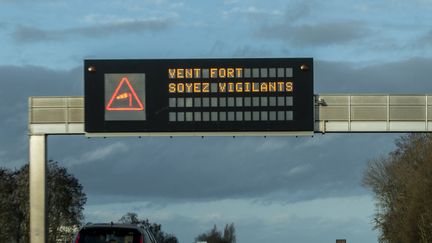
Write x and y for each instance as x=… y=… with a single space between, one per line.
x=110 y=235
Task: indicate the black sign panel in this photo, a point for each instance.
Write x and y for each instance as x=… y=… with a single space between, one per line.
x=199 y=95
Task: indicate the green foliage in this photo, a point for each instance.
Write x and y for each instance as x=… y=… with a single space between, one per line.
x=402 y=184
x=14 y=213
x=66 y=201
x=65 y=204
x=215 y=236
x=155 y=229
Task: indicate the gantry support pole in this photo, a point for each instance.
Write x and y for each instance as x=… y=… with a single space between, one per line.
x=38 y=197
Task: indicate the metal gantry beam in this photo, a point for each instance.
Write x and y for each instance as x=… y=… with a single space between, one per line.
x=373 y=113
x=56 y=115
x=333 y=113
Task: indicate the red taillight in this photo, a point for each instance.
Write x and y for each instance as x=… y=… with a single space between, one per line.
x=77 y=238
x=141 y=239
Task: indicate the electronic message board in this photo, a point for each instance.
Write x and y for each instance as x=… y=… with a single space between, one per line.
x=169 y=96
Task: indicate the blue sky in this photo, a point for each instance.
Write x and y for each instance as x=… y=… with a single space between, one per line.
x=274 y=189
x=333 y=30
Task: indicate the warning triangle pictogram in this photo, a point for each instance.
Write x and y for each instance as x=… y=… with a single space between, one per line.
x=126 y=100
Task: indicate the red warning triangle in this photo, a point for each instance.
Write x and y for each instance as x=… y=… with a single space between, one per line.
x=126 y=100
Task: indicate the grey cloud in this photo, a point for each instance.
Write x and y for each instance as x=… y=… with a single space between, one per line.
x=26 y=1
x=294 y=27
x=321 y=34
x=224 y=49
x=328 y=33
x=229 y=2
x=26 y=34
x=299 y=10
x=218 y=168
x=127 y=26
x=249 y=51
x=418 y=45
x=405 y=76
x=99 y=153
x=252 y=13
x=18 y=83
x=294 y=12
x=424 y=41
x=33 y=34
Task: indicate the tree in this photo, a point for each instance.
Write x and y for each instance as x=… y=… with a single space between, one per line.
x=9 y=223
x=215 y=236
x=65 y=203
x=402 y=184
x=155 y=229
x=229 y=233
x=14 y=213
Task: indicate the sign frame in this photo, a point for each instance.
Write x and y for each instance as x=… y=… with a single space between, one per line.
x=299 y=72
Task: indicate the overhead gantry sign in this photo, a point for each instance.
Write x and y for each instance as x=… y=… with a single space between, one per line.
x=199 y=96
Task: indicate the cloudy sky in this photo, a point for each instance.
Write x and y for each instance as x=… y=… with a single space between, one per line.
x=287 y=189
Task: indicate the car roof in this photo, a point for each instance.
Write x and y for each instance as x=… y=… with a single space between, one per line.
x=112 y=225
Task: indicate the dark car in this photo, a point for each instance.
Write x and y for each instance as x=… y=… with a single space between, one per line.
x=114 y=233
